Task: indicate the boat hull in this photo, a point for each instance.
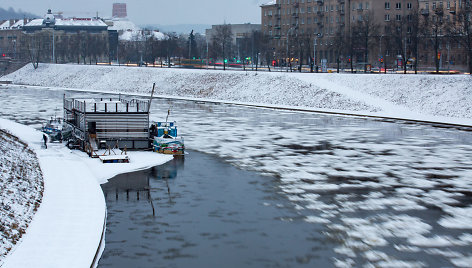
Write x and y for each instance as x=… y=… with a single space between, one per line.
x=173 y=146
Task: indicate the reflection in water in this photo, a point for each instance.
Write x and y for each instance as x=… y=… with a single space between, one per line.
x=383 y=194
x=208 y=214
x=136 y=186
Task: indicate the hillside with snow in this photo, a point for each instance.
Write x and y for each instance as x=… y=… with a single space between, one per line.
x=21 y=190
x=395 y=95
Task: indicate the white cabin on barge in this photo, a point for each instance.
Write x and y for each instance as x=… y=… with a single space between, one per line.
x=108 y=122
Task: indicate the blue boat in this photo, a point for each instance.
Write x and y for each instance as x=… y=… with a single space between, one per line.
x=165 y=139
x=53 y=128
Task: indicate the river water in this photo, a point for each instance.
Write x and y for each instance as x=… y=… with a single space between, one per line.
x=263 y=187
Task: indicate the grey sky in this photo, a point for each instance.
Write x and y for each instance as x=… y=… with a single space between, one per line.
x=152 y=11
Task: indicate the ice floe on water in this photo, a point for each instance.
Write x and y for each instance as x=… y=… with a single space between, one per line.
x=388 y=195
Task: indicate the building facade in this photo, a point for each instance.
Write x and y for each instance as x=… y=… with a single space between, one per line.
x=351 y=32
x=119 y=10
x=80 y=40
x=239 y=31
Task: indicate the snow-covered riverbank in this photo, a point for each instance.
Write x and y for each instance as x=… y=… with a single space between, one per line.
x=67 y=228
x=21 y=190
x=424 y=97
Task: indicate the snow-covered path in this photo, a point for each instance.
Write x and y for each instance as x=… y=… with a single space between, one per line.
x=67 y=228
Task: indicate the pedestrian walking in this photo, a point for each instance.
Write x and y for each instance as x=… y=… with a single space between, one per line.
x=45 y=139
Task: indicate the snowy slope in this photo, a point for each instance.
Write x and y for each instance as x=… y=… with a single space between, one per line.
x=395 y=95
x=67 y=228
x=21 y=190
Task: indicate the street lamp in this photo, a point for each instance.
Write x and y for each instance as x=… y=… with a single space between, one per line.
x=381 y=55
x=288 y=56
x=14 y=48
x=315 y=41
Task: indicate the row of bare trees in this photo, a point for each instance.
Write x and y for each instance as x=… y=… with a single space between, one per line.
x=81 y=47
x=220 y=48
x=417 y=38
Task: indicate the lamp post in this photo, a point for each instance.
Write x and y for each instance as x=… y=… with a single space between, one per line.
x=381 y=55
x=315 y=41
x=14 y=48
x=53 y=46
x=207 y=52
x=288 y=56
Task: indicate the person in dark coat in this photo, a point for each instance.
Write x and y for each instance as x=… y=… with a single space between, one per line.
x=45 y=139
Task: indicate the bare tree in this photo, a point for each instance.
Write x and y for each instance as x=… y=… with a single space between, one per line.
x=363 y=33
x=461 y=30
x=33 y=46
x=433 y=31
x=222 y=40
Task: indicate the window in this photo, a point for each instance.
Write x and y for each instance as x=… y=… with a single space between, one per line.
x=448 y=4
x=360 y=6
x=398 y=5
x=408 y=29
x=398 y=17
x=359 y=18
x=387 y=17
x=387 y=5
x=308 y=9
x=409 y=6
x=434 y=5
x=367 y=5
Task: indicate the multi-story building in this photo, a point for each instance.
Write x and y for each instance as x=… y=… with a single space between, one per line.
x=66 y=40
x=440 y=49
x=292 y=23
x=378 y=33
x=10 y=37
x=238 y=31
x=119 y=10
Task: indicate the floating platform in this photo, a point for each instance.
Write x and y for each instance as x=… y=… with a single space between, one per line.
x=114 y=158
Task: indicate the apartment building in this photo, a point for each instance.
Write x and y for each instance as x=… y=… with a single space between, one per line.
x=320 y=25
x=438 y=48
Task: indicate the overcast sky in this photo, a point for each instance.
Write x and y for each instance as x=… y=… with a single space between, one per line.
x=152 y=11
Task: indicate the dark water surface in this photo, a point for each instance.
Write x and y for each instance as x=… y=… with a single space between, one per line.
x=207 y=214
x=285 y=189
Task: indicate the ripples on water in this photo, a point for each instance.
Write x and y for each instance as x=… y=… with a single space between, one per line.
x=387 y=194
